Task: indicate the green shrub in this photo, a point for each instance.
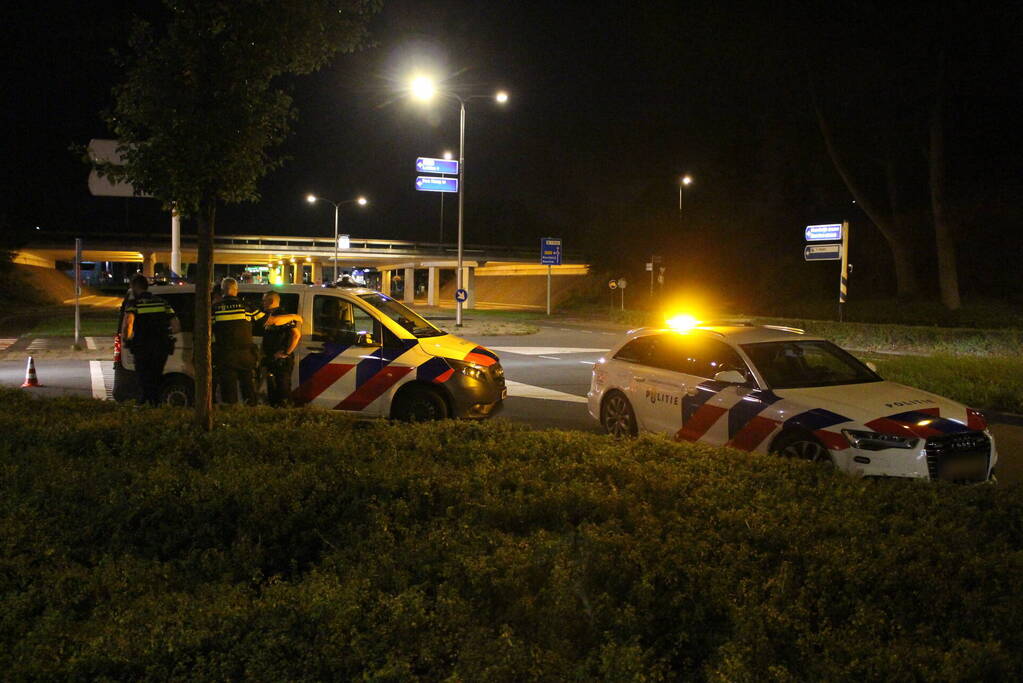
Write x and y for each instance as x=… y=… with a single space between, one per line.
x=302 y=545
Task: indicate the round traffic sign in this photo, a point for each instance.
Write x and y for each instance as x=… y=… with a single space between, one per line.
x=622 y=282
x=613 y=284
x=461 y=295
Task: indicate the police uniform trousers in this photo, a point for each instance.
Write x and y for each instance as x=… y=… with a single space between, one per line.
x=236 y=369
x=149 y=364
x=278 y=379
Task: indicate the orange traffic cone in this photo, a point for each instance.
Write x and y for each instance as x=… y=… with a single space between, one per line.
x=30 y=374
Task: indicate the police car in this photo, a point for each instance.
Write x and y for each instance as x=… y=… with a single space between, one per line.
x=779 y=390
x=361 y=352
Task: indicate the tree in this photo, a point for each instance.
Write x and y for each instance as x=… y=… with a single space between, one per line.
x=201 y=110
x=944 y=220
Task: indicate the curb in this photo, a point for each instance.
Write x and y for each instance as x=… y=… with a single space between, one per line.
x=996 y=417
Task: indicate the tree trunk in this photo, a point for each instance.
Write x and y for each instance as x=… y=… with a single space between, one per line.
x=201 y=337
x=905 y=269
x=902 y=251
x=944 y=227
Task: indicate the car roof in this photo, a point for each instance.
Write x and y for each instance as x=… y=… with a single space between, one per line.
x=734 y=334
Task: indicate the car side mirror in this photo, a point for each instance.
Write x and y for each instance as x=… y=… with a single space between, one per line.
x=730 y=377
x=871 y=366
x=365 y=339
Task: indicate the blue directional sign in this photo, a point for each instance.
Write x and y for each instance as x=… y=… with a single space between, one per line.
x=550 y=251
x=461 y=295
x=822 y=252
x=832 y=232
x=429 y=183
x=442 y=166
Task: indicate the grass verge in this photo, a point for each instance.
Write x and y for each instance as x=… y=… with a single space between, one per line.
x=301 y=545
x=989 y=382
x=62 y=324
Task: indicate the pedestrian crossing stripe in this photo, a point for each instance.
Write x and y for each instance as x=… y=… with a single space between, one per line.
x=7 y=343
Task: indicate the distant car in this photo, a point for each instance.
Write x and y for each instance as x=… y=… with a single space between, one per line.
x=774 y=389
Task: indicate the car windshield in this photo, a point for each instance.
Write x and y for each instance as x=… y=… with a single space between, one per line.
x=800 y=364
x=404 y=316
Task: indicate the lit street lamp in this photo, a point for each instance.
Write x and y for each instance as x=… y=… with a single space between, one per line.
x=685 y=182
x=361 y=201
x=423 y=88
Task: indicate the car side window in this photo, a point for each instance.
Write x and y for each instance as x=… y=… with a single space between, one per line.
x=638 y=350
x=710 y=357
x=339 y=321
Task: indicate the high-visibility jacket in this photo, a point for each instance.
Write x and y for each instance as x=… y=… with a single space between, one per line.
x=232 y=325
x=151 y=328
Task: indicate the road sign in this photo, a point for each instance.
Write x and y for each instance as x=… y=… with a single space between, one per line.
x=550 y=251
x=429 y=183
x=442 y=166
x=622 y=283
x=824 y=233
x=823 y=252
x=461 y=295
x=613 y=284
x=656 y=258
x=650 y=267
x=344 y=242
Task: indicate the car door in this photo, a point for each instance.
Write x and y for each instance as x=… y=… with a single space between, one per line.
x=340 y=357
x=714 y=412
x=651 y=388
x=665 y=386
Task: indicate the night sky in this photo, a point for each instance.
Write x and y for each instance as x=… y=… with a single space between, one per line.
x=610 y=104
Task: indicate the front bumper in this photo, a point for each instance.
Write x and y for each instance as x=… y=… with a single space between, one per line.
x=477 y=399
x=968 y=457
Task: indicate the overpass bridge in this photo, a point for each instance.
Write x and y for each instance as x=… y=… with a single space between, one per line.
x=389 y=265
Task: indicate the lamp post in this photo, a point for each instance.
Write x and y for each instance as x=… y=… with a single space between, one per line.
x=361 y=201
x=685 y=182
x=423 y=88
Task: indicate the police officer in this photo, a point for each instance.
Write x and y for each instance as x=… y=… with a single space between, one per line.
x=149 y=322
x=235 y=355
x=281 y=334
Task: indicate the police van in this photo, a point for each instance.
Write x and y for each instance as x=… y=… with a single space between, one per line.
x=361 y=352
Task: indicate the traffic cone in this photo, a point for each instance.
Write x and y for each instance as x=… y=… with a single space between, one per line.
x=30 y=374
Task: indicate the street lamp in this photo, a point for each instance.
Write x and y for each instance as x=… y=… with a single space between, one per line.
x=423 y=88
x=448 y=156
x=361 y=201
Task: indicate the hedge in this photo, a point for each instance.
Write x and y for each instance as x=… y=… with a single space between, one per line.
x=301 y=545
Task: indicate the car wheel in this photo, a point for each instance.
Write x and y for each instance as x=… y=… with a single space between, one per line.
x=617 y=415
x=804 y=447
x=177 y=391
x=419 y=404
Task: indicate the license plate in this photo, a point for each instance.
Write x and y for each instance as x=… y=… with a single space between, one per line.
x=973 y=468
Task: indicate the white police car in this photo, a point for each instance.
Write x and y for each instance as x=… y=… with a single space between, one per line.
x=775 y=389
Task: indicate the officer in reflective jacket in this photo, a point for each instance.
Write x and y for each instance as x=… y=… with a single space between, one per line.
x=234 y=357
x=281 y=334
x=149 y=322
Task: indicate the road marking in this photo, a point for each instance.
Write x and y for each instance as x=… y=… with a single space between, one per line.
x=549 y=357
x=101 y=372
x=543 y=350
x=7 y=343
x=588 y=362
x=529 y=391
x=90 y=343
x=39 y=344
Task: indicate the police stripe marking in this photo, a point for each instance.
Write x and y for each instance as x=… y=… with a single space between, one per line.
x=324 y=378
x=754 y=433
x=748 y=407
x=702 y=420
x=373 y=388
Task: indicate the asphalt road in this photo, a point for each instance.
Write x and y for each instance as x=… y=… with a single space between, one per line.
x=548 y=375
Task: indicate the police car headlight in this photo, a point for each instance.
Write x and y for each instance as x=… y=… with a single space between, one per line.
x=471 y=370
x=873 y=441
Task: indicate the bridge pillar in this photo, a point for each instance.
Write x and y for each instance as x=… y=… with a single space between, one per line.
x=432 y=285
x=149 y=264
x=385 y=282
x=317 y=274
x=410 y=286
x=469 y=284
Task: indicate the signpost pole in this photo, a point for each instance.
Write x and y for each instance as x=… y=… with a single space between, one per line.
x=843 y=282
x=549 y=290
x=78 y=292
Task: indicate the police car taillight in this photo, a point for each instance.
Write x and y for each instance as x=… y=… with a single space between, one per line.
x=117 y=348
